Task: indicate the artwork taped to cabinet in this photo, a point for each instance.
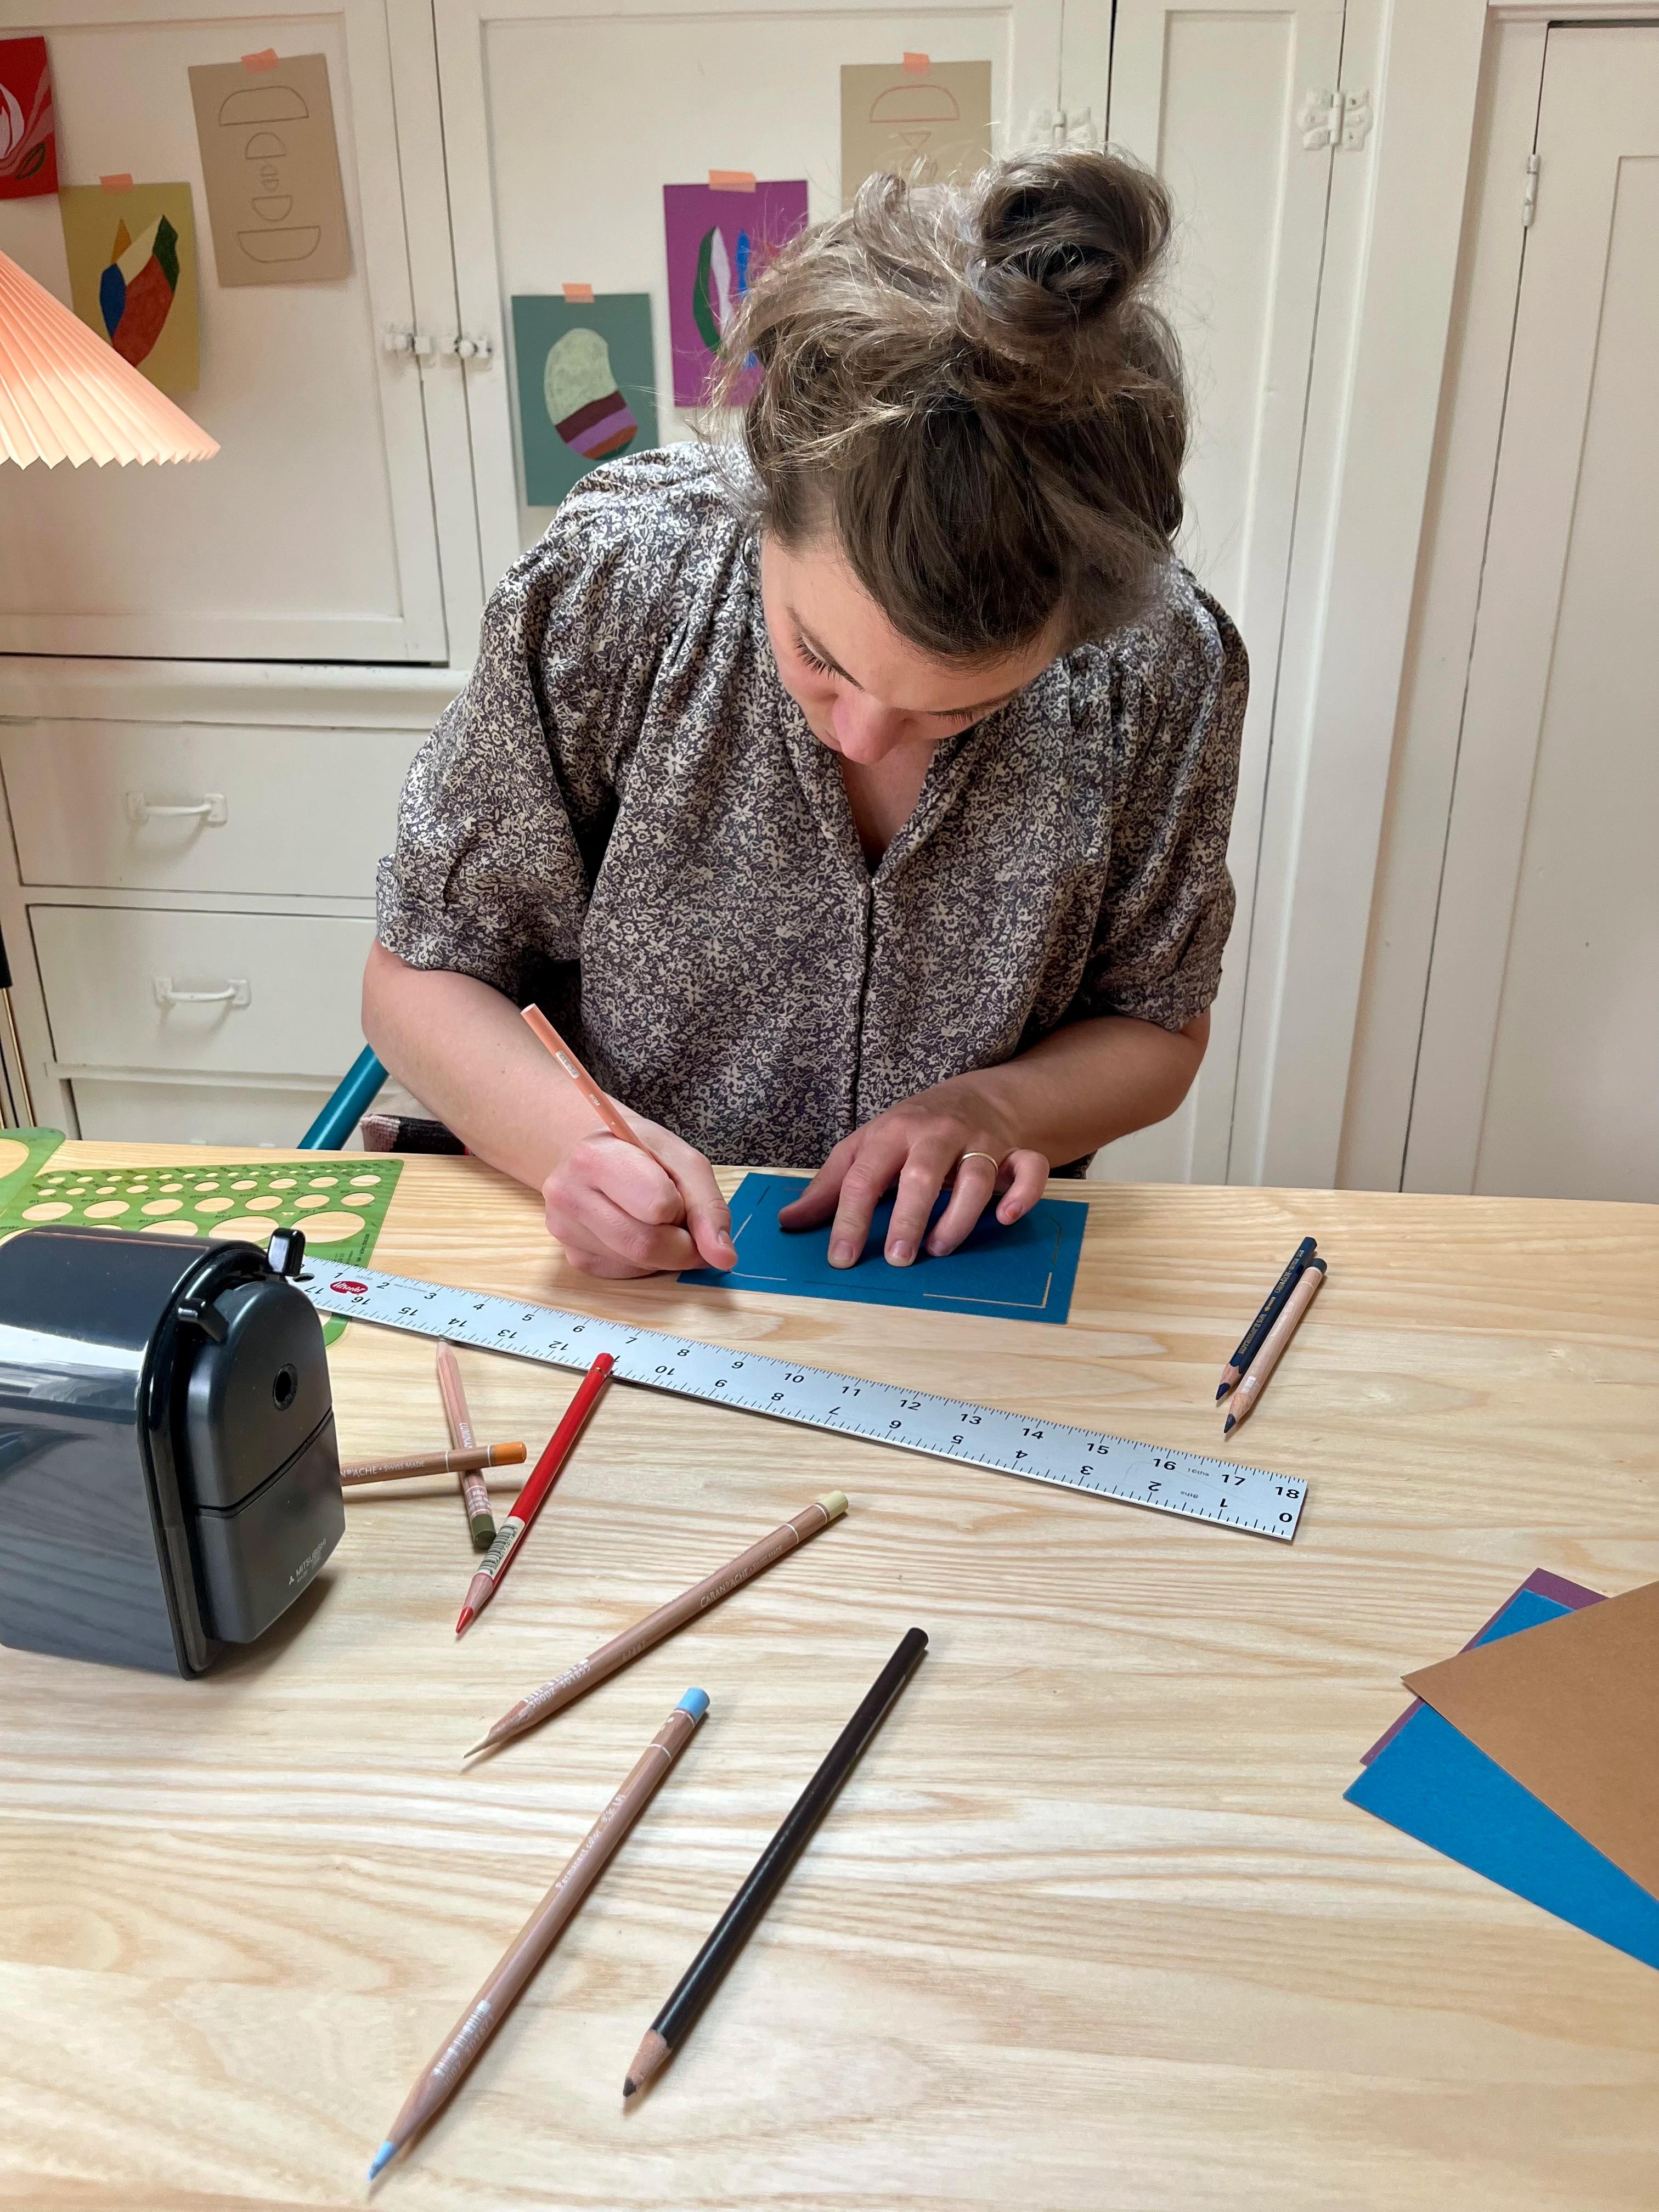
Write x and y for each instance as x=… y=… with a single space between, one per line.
x=28 y=141
x=587 y=386
x=272 y=167
x=931 y=125
x=132 y=276
x=718 y=242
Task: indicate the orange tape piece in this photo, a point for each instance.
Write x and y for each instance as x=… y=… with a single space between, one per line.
x=123 y=183
x=264 y=60
x=730 y=180
x=580 y=295
x=918 y=62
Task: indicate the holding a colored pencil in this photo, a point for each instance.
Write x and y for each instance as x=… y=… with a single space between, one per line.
x=536 y=1938
x=534 y=1495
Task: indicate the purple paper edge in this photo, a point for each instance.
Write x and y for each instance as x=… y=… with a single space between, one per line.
x=1543 y=1583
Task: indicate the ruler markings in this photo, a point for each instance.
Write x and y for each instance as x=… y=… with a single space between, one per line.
x=1190 y=1483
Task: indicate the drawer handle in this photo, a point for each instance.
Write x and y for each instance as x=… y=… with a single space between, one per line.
x=234 y=993
x=210 y=809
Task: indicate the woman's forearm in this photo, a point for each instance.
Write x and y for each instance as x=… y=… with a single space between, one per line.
x=461 y=1048
x=1091 y=1082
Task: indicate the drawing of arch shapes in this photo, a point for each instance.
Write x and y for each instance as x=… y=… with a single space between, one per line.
x=297 y=244
x=265 y=146
x=902 y=104
x=274 y=211
x=262 y=103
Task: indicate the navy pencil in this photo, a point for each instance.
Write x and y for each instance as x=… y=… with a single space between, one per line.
x=1272 y=1306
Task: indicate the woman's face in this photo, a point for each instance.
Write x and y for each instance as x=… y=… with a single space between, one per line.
x=865 y=690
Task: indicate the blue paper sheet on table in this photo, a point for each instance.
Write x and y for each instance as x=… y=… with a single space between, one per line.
x=1024 y=1272
x=1437 y=1785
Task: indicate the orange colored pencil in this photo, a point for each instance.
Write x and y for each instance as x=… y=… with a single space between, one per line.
x=534 y=1495
x=566 y=1060
x=449 y=1462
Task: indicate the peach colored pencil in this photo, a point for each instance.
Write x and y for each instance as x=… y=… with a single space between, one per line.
x=566 y=1060
x=610 y=1658
x=536 y=1938
x=1274 y=1344
x=475 y=1491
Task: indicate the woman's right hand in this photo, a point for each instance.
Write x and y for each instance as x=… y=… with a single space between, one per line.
x=621 y=1212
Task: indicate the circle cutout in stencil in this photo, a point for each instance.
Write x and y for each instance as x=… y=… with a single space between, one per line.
x=358 y=1198
x=170 y=1229
x=162 y=1206
x=263 y=1205
x=12 y=1155
x=244 y=1224
x=54 y=1209
x=106 y=1209
x=214 y=1205
x=332 y=1228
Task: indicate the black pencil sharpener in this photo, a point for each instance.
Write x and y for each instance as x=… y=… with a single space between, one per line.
x=169 y=1479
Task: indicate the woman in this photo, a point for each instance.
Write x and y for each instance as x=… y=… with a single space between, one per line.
x=862 y=805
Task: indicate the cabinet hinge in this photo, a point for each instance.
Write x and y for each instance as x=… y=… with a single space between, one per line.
x=1341 y=119
x=1064 y=126
x=466 y=349
x=403 y=340
x=1529 y=199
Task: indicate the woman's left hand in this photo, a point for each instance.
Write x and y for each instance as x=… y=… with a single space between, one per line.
x=951 y=1134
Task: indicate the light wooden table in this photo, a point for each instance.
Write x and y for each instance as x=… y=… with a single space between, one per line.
x=1091 y=1926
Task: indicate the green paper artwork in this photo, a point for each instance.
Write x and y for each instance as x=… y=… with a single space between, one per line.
x=587 y=387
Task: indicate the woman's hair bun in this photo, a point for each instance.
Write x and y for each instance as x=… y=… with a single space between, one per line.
x=1063 y=238
x=972 y=384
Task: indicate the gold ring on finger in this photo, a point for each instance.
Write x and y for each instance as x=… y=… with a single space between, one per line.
x=996 y=1164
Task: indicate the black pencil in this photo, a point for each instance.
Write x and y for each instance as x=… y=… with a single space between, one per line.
x=1272 y=1306
x=703 y=1976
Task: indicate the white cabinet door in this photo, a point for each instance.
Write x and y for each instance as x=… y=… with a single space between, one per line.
x=1211 y=96
x=1539 y=1068
x=311 y=534
x=561 y=128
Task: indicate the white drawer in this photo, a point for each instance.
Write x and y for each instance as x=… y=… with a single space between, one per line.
x=303 y=811
x=195 y=1113
x=283 y=994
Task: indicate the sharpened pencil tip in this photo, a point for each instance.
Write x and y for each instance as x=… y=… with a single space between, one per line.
x=382 y=2158
x=466 y=1615
x=1230 y=1424
x=473 y=1749
x=628 y=2086
x=1222 y=1392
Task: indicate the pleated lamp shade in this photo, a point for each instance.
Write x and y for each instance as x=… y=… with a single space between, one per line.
x=66 y=396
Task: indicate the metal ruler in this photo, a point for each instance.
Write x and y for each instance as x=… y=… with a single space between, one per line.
x=1187 y=1483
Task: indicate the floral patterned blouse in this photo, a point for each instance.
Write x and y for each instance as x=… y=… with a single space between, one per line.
x=625 y=816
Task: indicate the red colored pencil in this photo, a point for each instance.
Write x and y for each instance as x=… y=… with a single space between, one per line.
x=534 y=1495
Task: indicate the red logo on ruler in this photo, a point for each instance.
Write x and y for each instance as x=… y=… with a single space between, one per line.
x=351 y=1289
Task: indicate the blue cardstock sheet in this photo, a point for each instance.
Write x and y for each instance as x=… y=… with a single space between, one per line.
x=1437 y=1786
x=1022 y=1273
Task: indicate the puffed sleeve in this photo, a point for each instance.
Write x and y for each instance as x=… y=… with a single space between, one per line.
x=1178 y=703
x=507 y=807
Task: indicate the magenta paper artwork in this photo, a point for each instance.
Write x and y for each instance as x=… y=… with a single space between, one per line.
x=718 y=243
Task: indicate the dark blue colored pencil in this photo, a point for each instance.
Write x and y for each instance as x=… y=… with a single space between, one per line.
x=1272 y=1305
x=703 y=1976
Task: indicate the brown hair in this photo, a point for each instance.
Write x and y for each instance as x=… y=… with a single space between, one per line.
x=969 y=384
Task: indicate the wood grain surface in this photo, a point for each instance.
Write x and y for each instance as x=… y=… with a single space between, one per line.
x=1089 y=1928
